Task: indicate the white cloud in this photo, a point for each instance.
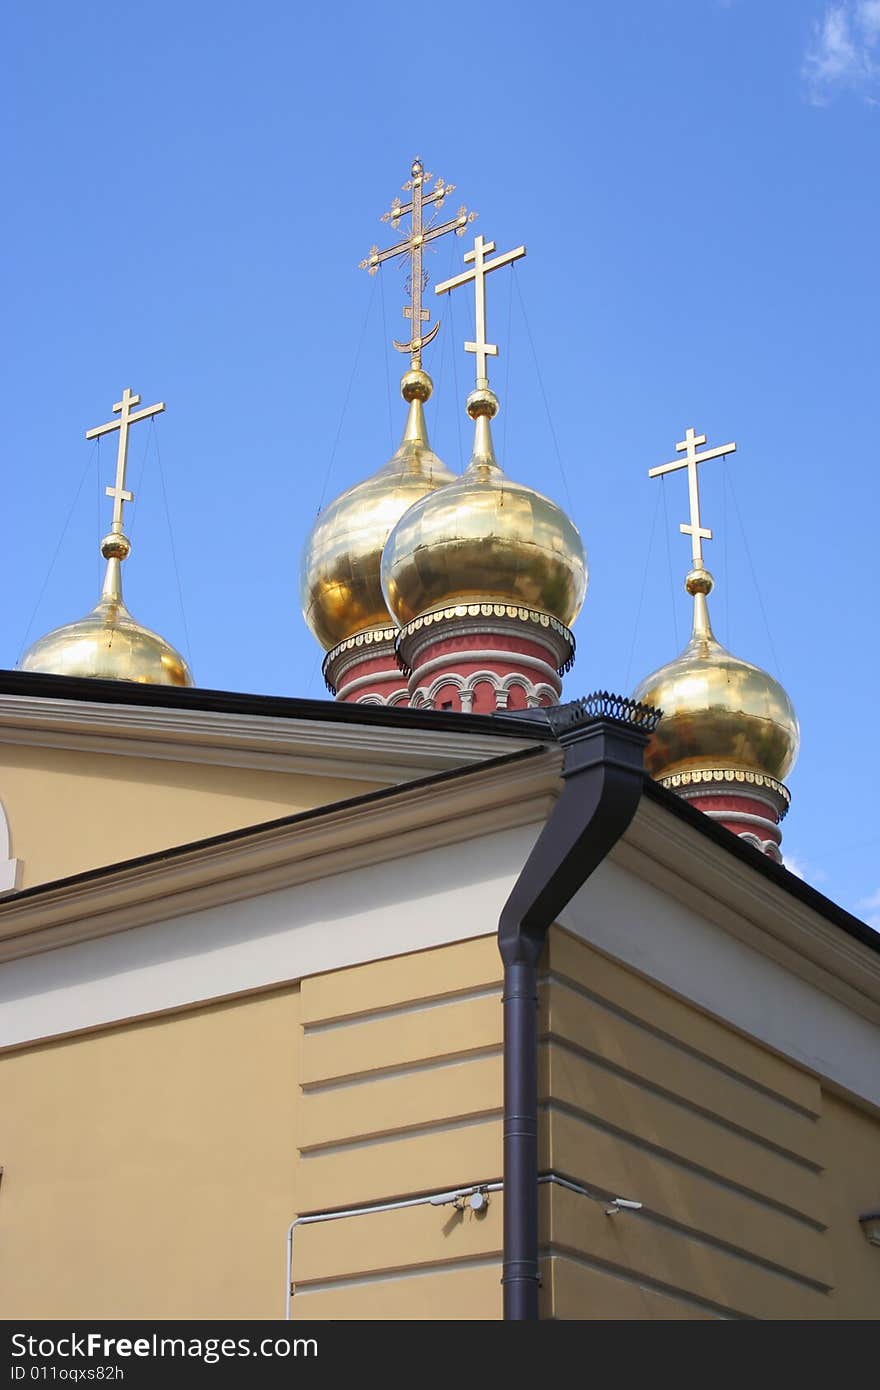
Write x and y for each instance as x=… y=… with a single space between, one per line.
x=868 y=17
x=844 y=52
x=801 y=868
x=870 y=909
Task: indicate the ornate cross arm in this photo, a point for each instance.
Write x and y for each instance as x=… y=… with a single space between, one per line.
x=437 y=198
x=413 y=246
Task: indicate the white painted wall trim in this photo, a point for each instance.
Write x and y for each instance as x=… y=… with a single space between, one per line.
x=671 y=855
x=679 y=948
x=453 y=893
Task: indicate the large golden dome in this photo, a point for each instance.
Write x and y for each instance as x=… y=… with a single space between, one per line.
x=484 y=539
x=340 y=581
x=719 y=712
x=107 y=644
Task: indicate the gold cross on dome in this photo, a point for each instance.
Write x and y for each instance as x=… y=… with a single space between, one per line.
x=481 y=269
x=413 y=247
x=689 y=446
x=126 y=418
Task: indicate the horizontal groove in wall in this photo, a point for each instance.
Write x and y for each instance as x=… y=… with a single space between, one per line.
x=401 y=1197
x=415 y=1271
x=723 y=1121
x=639 y=1281
x=399 y=1132
x=691 y=1233
x=417 y=1006
x=681 y=1161
x=319 y=1151
x=617 y=1103
x=382 y=1043
x=555 y=978
x=449 y=1059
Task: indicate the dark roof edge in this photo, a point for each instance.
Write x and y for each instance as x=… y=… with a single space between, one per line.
x=40 y=686
x=776 y=873
x=244 y=832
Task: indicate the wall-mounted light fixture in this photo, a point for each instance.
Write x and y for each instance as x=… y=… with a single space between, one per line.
x=622 y=1204
x=870 y=1224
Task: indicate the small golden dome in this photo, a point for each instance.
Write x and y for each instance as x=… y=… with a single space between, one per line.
x=107 y=644
x=340 y=583
x=484 y=538
x=718 y=711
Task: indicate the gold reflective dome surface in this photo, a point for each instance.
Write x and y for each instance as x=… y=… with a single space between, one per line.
x=484 y=538
x=340 y=579
x=718 y=711
x=107 y=644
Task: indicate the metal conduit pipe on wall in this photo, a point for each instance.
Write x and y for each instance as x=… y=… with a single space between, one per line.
x=603 y=739
x=443 y=1198
x=433 y=1199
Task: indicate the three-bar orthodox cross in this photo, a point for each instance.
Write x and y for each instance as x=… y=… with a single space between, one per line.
x=413 y=246
x=127 y=417
x=481 y=269
x=689 y=446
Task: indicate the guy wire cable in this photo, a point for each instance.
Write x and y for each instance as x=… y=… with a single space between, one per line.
x=540 y=377
x=635 y=634
x=669 y=559
x=357 y=358
x=189 y=656
x=52 y=562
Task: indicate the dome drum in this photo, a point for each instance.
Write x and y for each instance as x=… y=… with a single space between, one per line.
x=482 y=664
x=363 y=664
x=469 y=625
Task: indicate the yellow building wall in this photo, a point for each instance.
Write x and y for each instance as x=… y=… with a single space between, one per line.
x=402 y=1087
x=752 y=1180
x=70 y=811
x=148 y=1168
x=152 y=1169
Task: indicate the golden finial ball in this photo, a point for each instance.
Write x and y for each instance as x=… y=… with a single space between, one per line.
x=699 y=582
x=115 y=547
x=416 y=385
x=482 y=402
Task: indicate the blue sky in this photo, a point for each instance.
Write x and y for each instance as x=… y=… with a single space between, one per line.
x=189 y=189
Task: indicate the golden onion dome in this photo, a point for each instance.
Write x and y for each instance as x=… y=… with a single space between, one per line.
x=718 y=711
x=340 y=579
x=107 y=644
x=484 y=539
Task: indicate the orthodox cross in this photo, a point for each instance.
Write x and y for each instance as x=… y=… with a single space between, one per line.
x=481 y=269
x=689 y=446
x=127 y=417
x=413 y=246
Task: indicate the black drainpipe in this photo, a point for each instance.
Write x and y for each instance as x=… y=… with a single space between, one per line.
x=603 y=739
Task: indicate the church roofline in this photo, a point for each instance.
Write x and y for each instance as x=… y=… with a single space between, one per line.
x=41 y=686
x=508 y=763
x=756 y=859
